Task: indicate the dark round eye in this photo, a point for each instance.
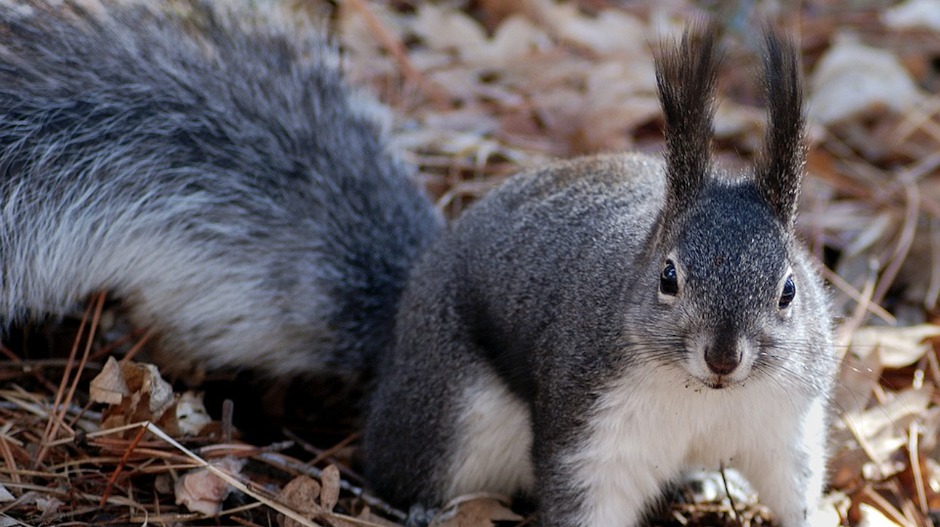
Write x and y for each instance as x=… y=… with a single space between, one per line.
x=789 y=291
x=669 y=280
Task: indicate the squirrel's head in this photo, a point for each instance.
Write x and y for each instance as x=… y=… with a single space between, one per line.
x=729 y=287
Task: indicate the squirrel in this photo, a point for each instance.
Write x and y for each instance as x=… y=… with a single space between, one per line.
x=584 y=334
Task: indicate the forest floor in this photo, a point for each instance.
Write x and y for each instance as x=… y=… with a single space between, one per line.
x=480 y=90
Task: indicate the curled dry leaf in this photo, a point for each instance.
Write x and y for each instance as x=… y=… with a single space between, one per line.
x=202 y=491
x=159 y=392
x=135 y=392
x=5 y=495
x=109 y=386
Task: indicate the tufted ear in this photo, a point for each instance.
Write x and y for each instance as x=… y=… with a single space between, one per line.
x=686 y=74
x=779 y=171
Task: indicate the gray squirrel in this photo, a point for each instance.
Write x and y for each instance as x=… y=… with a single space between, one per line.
x=584 y=334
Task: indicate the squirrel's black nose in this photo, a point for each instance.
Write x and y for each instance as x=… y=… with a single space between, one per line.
x=722 y=359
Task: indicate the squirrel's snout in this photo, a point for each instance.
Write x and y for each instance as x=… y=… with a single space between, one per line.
x=722 y=359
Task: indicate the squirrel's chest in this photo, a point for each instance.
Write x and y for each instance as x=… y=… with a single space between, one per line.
x=680 y=425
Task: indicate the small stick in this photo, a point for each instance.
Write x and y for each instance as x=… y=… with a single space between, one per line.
x=127 y=454
x=734 y=508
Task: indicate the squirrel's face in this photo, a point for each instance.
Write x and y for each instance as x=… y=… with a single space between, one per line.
x=726 y=287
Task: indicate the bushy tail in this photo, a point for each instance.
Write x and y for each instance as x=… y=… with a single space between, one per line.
x=208 y=167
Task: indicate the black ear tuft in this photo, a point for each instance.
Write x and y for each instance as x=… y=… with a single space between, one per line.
x=686 y=74
x=780 y=169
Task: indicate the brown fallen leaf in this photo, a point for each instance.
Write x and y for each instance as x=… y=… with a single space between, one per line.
x=301 y=495
x=202 y=491
x=109 y=386
x=135 y=392
x=329 y=492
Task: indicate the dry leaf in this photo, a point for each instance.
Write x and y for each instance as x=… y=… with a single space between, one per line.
x=515 y=39
x=160 y=392
x=301 y=495
x=610 y=31
x=913 y=14
x=329 y=494
x=446 y=29
x=896 y=346
x=191 y=414
x=202 y=491
x=48 y=506
x=476 y=512
x=144 y=397
x=852 y=79
x=883 y=429
x=109 y=386
x=872 y=517
x=830 y=510
x=5 y=495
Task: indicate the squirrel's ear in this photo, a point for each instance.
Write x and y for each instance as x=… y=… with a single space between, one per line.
x=686 y=74
x=779 y=171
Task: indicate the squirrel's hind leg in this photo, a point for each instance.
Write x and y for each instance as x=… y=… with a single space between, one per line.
x=441 y=424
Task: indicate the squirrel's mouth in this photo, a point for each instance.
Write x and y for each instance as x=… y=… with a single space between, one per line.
x=717 y=384
x=720 y=382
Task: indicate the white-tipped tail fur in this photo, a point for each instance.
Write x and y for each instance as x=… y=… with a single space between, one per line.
x=207 y=166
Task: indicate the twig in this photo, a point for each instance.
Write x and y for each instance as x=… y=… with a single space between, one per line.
x=914 y=454
x=61 y=398
x=734 y=508
x=120 y=467
x=905 y=240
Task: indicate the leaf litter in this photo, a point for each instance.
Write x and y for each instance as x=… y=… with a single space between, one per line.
x=480 y=90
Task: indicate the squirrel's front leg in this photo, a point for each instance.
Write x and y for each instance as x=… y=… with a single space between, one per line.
x=789 y=470
x=603 y=478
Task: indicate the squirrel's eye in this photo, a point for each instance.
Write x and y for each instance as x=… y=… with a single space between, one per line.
x=789 y=291
x=669 y=280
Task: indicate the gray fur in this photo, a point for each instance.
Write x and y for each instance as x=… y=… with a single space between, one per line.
x=209 y=168
x=551 y=285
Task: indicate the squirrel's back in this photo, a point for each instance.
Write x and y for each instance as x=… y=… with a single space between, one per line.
x=211 y=169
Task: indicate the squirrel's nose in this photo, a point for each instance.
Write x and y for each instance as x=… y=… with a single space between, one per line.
x=722 y=359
